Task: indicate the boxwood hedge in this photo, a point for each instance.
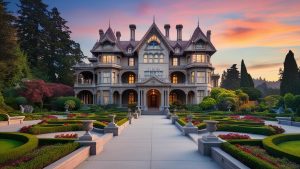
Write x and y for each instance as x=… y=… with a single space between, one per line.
x=270 y=144
x=37 y=129
x=247 y=159
x=121 y=122
x=30 y=143
x=262 y=130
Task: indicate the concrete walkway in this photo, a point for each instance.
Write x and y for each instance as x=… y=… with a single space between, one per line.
x=17 y=127
x=151 y=142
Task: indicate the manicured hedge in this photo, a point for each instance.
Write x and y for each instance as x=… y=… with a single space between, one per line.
x=98 y=124
x=59 y=103
x=247 y=159
x=121 y=122
x=46 y=155
x=262 y=130
x=52 y=129
x=201 y=126
x=51 y=141
x=181 y=122
x=270 y=144
x=249 y=142
x=30 y=143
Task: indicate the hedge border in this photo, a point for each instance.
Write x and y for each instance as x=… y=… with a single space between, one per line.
x=270 y=144
x=248 y=159
x=31 y=142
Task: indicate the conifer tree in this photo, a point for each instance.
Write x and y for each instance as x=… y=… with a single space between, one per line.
x=290 y=81
x=230 y=78
x=246 y=79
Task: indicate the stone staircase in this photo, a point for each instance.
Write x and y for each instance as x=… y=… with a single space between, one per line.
x=152 y=112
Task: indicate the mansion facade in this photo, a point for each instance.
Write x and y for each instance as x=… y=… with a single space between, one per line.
x=152 y=73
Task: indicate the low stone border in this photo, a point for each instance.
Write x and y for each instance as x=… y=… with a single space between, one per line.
x=72 y=160
x=226 y=160
x=179 y=126
x=289 y=123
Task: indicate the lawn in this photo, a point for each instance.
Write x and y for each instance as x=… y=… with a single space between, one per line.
x=291 y=146
x=6 y=144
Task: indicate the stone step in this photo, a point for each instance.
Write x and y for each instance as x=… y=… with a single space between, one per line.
x=152 y=112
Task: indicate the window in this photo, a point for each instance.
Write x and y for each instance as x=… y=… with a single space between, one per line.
x=131 y=98
x=108 y=59
x=198 y=58
x=209 y=77
x=105 y=97
x=131 y=79
x=153 y=73
x=131 y=62
x=177 y=50
x=200 y=95
x=155 y=58
x=175 y=61
x=153 y=42
x=129 y=50
x=145 y=58
x=199 y=45
x=150 y=58
x=200 y=77
x=174 y=79
x=161 y=58
x=106 y=77
x=173 y=97
x=193 y=77
x=114 y=79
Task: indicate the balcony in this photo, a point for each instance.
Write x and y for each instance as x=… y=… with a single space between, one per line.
x=199 y=64
x=84 y=85
x=98 y=64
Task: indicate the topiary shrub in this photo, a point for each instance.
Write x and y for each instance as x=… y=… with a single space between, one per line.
x=30 y=143
x=21 y=101
x=208 y=103
x=59 y=103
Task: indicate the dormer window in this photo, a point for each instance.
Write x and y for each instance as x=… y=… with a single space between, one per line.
x=153 y=43
x=129 y=50
x=199 y=45
x=177 y=50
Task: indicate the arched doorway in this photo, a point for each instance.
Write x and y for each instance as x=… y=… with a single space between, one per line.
x=177 y=96
x=191 y=97
x=153 y=99
x=116 y=98
x=129 y=97
x=85 y=96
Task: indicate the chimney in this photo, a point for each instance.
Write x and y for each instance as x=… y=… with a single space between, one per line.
x=101 y=33
x=167 y=29
x=179 y=32
x=118 y=35
x=208 y=34
x=132 y=32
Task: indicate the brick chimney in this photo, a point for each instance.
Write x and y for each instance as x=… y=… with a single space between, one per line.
x=118 y=35
x=101 y=33
x=179 y=32
x=132 y=32
x=208 y=34
x=167 y=30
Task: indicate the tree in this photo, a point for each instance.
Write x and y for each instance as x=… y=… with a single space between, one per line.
x=246 y=79
x=208 y=103
x=13 y=62
x=254 y=94
x=290 y=81
x=230 y=78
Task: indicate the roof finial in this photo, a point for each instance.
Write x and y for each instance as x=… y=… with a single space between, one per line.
x=109 y=23
x=198 y=21
x=153 y=18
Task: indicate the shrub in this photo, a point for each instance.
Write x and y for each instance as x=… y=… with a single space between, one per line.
x=3 y=117
x=289 y=100
x=52 y=129
x=208 y=104
x=71 y=104
x=1 y=99
x=278 y=129
x=51 y=141
x=247 y=107
x=21 y=101
x=262 y=130
x=201 y=126
x=99 y=125
x=270 y=144
x=181 y=122
x=59 y=103
x=253 y=93
x=30 y=143
x=244 y=157
x=121 y=122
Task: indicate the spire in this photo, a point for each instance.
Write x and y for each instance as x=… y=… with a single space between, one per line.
x=109 y=23
x=198 y=21
x=153 y=18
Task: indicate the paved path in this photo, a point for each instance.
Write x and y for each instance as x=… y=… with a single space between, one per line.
x=150 y=143
x=17 y=127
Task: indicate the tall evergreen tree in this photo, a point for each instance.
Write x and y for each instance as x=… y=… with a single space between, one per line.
x=13 y=63
x=290 y=81
x=230 y=78
x=246 y=79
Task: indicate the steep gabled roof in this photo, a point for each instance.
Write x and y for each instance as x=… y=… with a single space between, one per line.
x=199 y=35
x=109 y=35
x=153 y=29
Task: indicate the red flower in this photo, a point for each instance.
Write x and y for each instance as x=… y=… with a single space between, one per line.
x=231 y=136
x=25 y=129
x=70 y=135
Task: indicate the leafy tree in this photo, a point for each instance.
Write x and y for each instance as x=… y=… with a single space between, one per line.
x=254 y=94
x=208 y=103
x=289 y=100
x=71 y=104
x=246 y=79
x=290 y=80
x=13 y=63
x=230 y=78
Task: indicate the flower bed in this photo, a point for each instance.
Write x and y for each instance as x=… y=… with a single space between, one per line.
x=278 y=129
x=231 y=136
x=70 y=135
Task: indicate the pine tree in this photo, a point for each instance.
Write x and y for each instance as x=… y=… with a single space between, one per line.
x=230 y=79
x=13 y=62
x=246 y=79
x=290 y=81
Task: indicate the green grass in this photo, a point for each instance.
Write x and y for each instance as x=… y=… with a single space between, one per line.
x=292 y=146
x=7 y=144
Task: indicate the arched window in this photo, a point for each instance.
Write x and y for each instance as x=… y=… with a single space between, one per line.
x=174 y=79
x=173 y=97
x=161 y=58
x=145 y=58
x=131 y=98
x=150 y=58
x=155 y=58
x=131 y=79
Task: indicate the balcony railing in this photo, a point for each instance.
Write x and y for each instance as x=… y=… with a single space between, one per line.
x=84 y=85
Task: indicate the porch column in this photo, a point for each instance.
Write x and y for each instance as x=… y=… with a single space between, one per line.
x=144 y=100
x=120 y=100
x=162 y=99
x=139 y=98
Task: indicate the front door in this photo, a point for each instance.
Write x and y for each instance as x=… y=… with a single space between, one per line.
x=153 y=97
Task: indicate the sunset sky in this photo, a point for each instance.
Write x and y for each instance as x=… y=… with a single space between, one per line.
x=259 y=31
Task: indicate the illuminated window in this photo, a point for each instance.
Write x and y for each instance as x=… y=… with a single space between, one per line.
x=131 y=98
x=161 y=58
x=198 y=58
x=150 y=58
x=155 y=58
x=131 y=62
x=200 y=77
x=145 y=58
x=193 y=77
x=174 y=79
x=131 y=79
x=175 y=61
x=173 y=97
x=108 y=59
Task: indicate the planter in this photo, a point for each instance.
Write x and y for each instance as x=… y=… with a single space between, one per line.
x=87 y=126
x=211 y=126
